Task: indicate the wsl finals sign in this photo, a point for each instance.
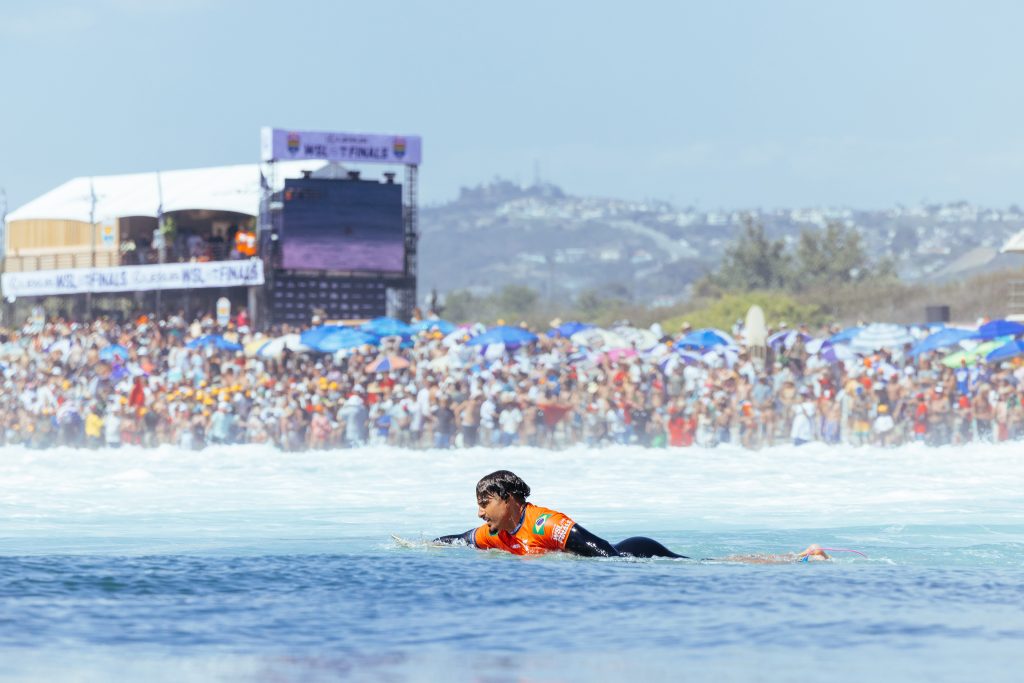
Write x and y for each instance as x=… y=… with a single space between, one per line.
x=278 y=144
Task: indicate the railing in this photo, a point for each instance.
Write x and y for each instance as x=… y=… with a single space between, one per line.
x=1015 y=300
x=19 y=263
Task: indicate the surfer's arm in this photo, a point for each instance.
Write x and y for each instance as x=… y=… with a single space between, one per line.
x=582 y=542
x=457 y=539
x=813 y=552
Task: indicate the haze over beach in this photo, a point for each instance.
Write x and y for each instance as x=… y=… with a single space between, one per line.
x=721 y=106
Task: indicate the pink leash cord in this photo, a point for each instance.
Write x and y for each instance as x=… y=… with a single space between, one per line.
x=843 y=550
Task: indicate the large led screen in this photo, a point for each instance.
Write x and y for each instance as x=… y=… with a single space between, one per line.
x=342 y=225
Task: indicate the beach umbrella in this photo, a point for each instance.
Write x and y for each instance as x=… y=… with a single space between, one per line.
x=387 y=364
x=615 y=355
x=112 y=352
x=599 y=339
x=973 y=355
x=568 y=329
x=707 y=338
x=638 y=338
x=1000 y=328
x=723 y=355
x=313 y=335
x=831 y=353
x=442 y=326
x=387 y=327
x=669 y=363
x=341 y=339
x=276 y=347
x=845 y=336
x=944 y=338
x=816 y=345
x=1007 y=351
x=215 y=340
x=836 y=353
x=511 y=337
x=252 y=348
x=879 y=336
x=786 y=339
x=460 y=335
x=656 y=353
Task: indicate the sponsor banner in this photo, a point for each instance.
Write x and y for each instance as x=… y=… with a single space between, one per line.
x=278 y=144
x=133 y=278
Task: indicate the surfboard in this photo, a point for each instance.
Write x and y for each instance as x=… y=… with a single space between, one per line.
x=406 y=543
x=755 y=334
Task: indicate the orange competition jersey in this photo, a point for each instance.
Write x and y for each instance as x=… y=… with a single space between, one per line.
x=540 y=531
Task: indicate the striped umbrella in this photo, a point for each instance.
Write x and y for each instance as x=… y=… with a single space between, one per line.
x=878 y=336
x=786 y=339
x=387 y=364
x=669 y=363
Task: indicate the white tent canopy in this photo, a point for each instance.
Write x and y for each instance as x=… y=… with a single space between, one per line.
x=1015 y=244
x=221 y=188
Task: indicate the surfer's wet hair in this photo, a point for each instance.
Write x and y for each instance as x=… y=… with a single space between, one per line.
x=502 y=484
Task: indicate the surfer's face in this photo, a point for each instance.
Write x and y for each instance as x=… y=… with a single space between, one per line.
x=497 y=513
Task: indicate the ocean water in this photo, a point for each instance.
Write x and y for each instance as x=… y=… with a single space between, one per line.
x=246 y=564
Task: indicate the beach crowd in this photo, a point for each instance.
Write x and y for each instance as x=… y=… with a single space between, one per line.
x=147 y=383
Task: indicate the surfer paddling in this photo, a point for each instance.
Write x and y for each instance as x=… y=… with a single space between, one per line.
x=513 y=525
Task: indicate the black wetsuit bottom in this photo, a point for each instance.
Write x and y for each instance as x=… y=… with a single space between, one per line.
x=641 y=546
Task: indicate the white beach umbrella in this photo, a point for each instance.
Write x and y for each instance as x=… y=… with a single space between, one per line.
x=638 y=338
x=275 y=347
x=459 y=336
x=879 y=336
x=596 y=338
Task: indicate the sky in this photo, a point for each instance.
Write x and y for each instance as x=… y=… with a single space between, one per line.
x=716 y=105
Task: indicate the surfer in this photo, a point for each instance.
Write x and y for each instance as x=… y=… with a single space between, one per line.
x=513 y=525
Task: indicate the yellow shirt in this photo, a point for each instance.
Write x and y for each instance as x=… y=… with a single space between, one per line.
x=93 y=425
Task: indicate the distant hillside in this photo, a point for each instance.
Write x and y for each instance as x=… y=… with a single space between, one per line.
x=502 y=233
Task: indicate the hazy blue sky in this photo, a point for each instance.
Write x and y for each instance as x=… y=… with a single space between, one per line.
x=718 y=104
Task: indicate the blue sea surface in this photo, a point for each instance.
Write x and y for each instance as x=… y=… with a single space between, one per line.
x=249 y=564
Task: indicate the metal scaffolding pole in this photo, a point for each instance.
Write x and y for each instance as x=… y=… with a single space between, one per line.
x=409 y=297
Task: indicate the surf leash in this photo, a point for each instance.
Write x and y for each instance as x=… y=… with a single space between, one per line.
x=843 y=550
x=807 y=557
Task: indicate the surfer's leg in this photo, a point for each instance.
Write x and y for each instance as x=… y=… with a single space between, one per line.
x=641 y=546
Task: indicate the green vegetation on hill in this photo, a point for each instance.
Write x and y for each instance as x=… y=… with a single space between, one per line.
x=823 y=276
x=727 y=309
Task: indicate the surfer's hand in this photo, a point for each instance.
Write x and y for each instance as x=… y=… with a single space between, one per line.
x=813 y=552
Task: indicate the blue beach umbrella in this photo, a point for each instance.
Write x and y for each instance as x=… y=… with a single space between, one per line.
x=845 y=336
x=109 y=353
x=999 y=328
x=511 y=337
x=703 y=339
x=214 y=340
x=339 y=339
x=313 y=335
x=442 y=326
x=1006 y=351
x=387 y=327
x=950 y=336
x=568 y=329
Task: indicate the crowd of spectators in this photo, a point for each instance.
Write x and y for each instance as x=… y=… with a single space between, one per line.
x=63 y=386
